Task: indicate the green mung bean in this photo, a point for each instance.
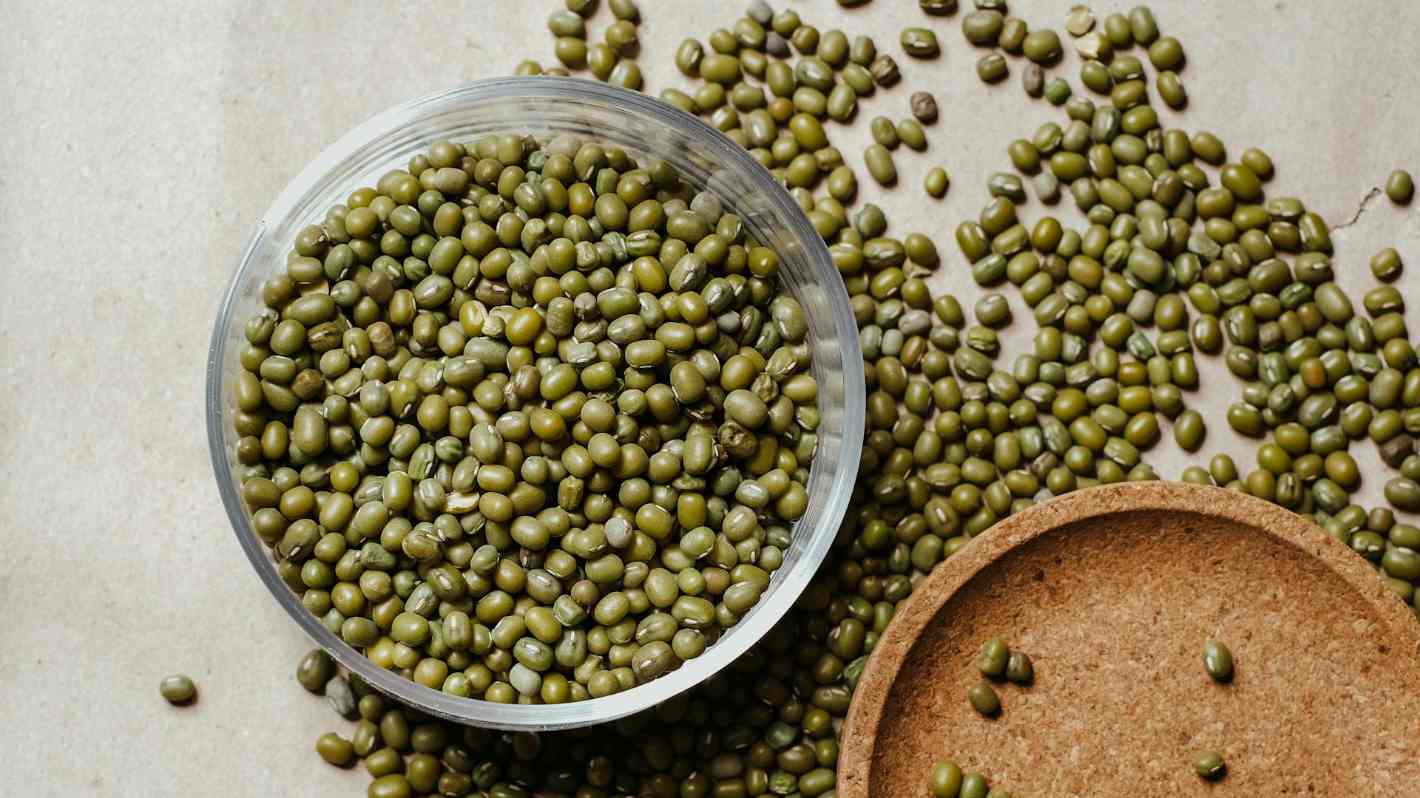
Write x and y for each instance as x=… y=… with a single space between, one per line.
x=1079 y=21
x=1400 y=187
x=1057 y=91
x=1171 y=90
x=983 y=27
x=1218 y=661
x=880 y=165
x=335 y=749
x=924 y=107
x=1095 y=47
x=992 y=68
x=1209 y=766
x=945 y=780
x=177 y=689
x=314 y=670
x=625 y=10
x=1386 y=264
x=910 y=133
x=883 y=132
x=919 y=43
x=1042 y=46
x=1019 y=669
x=1033 y=80
x=885 y=70
x=982 y=697
x=936 y=182
x=992 y=659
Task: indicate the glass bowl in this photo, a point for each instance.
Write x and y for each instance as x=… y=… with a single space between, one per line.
x=645 y=128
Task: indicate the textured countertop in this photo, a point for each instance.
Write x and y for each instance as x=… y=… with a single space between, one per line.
x=140 y=143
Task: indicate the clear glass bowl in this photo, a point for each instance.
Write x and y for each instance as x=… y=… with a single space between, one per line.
x=646 y=128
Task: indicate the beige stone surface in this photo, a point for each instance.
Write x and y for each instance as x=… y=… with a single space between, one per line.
x=140 y=142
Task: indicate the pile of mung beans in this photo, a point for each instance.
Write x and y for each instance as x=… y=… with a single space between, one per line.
x=1183 y=254
x=527 y=421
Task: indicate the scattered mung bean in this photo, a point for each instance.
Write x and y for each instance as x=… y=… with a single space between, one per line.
x=936 y=182
x=1209 y=766
x=924 y=107
x=1218 y=660
x=982 y=697
x=1079 y=21
x=920 y=43
x=177 y=689
x=992 y=68
x=1400 y=187
x=1220 y=267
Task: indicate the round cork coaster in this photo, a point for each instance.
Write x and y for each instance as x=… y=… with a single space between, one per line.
x=1113 y=592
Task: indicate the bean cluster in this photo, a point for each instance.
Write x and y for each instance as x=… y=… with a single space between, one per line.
x=1183 y=255
x=527 y=421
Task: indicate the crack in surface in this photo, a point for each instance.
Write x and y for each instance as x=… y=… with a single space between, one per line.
x=1360 y=208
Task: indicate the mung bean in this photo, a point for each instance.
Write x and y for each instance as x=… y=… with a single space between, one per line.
x=177 y=689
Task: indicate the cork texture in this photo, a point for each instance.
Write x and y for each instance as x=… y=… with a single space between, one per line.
x=1112 y=592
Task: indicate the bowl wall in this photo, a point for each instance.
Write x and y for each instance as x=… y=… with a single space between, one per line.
x=647 y=129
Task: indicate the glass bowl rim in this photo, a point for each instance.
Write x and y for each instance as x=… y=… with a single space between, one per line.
x=772 y=606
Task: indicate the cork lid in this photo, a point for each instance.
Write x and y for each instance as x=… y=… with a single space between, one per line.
x=1112 y=592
